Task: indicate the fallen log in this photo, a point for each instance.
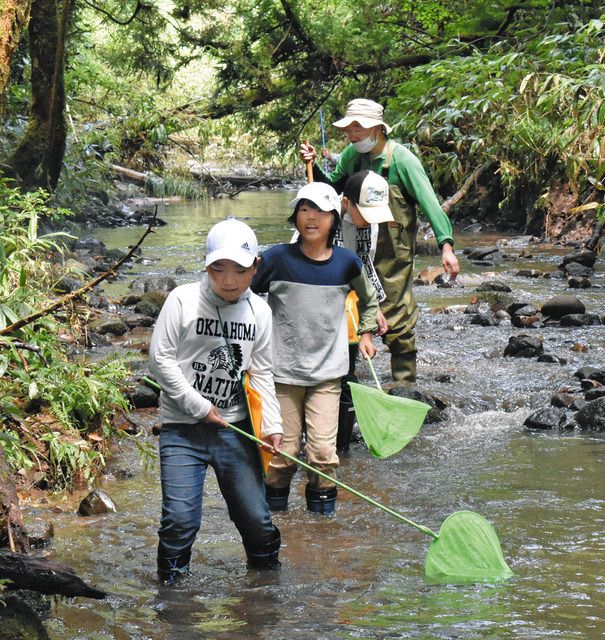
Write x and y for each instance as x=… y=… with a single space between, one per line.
x=465 y=188
x=44 y=576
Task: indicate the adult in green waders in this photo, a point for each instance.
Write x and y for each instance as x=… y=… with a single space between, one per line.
x=409 y=188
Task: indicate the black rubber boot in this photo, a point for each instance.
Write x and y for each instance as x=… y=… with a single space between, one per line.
x=173 y=570
x=265 y=557
x=346 y=421
x=277 y=497
x=321 y=501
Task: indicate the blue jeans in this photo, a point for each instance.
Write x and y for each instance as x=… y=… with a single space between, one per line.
x=186 y=450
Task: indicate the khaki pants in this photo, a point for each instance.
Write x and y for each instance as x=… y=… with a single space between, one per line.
x=317 y=408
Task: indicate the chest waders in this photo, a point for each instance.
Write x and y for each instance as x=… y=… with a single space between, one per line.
x=395 y=249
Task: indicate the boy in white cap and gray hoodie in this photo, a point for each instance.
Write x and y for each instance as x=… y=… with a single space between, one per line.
x=207 y=335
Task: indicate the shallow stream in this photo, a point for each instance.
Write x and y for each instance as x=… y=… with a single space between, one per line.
x=359 y=574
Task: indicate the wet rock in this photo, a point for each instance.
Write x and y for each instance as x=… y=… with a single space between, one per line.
x=95 y=340
x=483 y=253
x=39 y=533
x=142 y=397
x=578 y=404
x=139 y=320
x=91 y=246
x=444 y=378
x=585 y=257
x=67 y=284
x=137 y=285
x=157 y=297
x=160 y=283
x=593 y=394
x=109 y=324
x=477 y=307
x=484 y=320
x=130 y=299
x=180 y=271
x=494 y=286
x=436 y=412
x=97 y=302
x=552 y=359
x=114 y=255
x=521 y=308
x=562 y=400
x=524 y=346
x=147 y=308
x=586 y=384
x=502 y=316
x=579 y=283
x=562 y=305
x=525 y=322
x=591 y=373
x=555 y=275
x=96 y=503
x=545 y=419
x=576 y=270
x=530 y=273
x=580 y=320
x=73 y=265
x=20 y=621
x=591 y=417
x=473 y=228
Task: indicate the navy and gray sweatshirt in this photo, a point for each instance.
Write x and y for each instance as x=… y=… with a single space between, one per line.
x=307 y=298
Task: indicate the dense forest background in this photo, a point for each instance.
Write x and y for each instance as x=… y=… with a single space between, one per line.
x=508 y=95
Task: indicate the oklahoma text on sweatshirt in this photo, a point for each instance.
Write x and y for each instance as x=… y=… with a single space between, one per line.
x=189 y=356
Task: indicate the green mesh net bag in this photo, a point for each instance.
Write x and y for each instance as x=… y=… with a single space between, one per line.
x=466 y=550
x=387 y=423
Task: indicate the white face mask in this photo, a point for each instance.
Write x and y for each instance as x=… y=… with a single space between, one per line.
x=367 y=144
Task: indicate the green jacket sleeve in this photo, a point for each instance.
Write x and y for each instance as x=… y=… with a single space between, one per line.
x=412 y=175
x=342 y=171
x=367 y=305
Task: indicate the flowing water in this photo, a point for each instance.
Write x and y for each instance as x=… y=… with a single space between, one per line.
x=359 y=574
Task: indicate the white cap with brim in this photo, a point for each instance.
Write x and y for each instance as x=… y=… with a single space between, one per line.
x=233 y=240
x=370 y=192
x=366 y=112
x=320 y=194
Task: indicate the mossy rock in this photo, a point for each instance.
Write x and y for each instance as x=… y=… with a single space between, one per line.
x=19 y=621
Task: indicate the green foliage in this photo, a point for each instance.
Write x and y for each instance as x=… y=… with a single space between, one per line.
x=21 y=249
x=532 y=107
x=81 y=397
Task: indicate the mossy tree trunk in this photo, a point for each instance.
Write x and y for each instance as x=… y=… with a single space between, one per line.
x=38 y=157
x=14 y=15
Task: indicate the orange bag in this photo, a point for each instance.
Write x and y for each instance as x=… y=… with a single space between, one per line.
x=351 y=309
x=254 y=403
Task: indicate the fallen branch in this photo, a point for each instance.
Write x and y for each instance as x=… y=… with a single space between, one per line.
x=82 y=290
x=131 y=174
x=465 y=188
x=17 y=344
x=44 y=576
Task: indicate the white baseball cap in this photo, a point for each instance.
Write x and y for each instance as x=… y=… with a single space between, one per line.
x=320 y=194
x=370 y=192
x=366 y=112
x=231 y=239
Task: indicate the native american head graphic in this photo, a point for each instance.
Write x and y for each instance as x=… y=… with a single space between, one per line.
x=219 y=359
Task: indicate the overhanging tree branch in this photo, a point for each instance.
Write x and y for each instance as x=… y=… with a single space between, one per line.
x=140 y=5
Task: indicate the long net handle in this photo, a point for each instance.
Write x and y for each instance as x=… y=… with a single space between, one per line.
x=309 y=167
x=368 y=360
x=323 y=475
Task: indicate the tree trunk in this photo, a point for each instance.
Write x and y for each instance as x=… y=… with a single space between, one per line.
x=12 y=529
x=37 y=160
x=44 y=576
x=14 y=15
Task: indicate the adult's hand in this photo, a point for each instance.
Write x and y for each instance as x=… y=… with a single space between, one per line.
x=273 y=443
x=383 y=327
x=307 y=152
x=214 y=417
x=449 y=260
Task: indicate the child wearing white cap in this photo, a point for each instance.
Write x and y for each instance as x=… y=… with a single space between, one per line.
x=307 y=284
x=207 y=334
